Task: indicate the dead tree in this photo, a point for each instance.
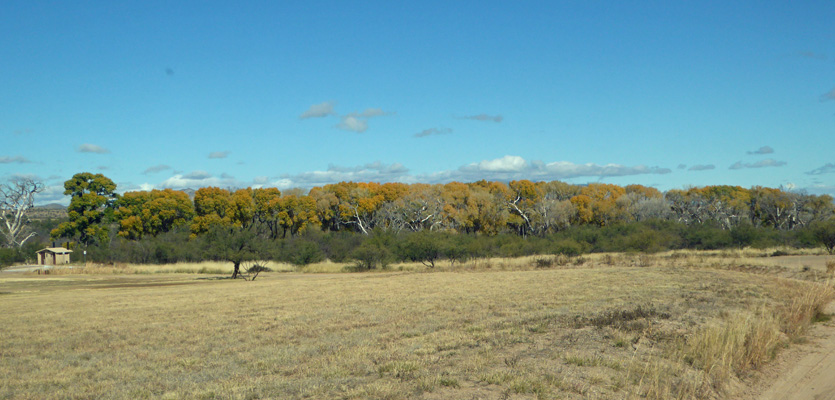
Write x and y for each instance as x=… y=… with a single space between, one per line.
x=16 y=199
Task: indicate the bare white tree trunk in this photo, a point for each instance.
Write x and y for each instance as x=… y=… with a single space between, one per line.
x=17 y=198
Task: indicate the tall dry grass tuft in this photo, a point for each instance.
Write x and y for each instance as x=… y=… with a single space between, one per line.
x=747 y=340
x=743 y=341
x=806 y=305
x=830 y=266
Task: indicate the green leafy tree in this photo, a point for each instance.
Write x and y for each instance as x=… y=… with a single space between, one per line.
x=424 y=247
x=243 y=247
x=824 y=233
x=91 y=207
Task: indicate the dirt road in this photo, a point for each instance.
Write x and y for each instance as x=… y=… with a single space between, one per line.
x=812 y=373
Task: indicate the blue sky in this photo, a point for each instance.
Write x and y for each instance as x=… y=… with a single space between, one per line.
x=299 y=94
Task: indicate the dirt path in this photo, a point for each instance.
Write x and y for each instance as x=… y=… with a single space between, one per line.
x=810 y=371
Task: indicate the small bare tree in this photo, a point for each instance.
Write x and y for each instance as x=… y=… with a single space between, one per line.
x=16 y=199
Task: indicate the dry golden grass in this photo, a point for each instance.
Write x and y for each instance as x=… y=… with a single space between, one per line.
x=606 y=326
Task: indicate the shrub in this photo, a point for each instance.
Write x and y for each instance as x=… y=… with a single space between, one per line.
x=303 y=252
x=370 y=254
x=824 y=233
x=568 y=247
x=424 y=247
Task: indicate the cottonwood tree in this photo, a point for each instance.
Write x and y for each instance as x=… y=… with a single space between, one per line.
x=93 y=199
x=232 y=227
x=16 y=199
x=151 y=213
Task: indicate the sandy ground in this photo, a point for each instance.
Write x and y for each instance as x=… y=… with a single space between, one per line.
x=804 y=371
x=814 y=262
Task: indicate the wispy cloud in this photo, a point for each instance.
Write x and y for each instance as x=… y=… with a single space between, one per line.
x=502 y=169
x=515 y=167
x=830 y=95
x=319 y=110
x=92 y=148
x=353 y=124
x=198 y=179
x=762 y=150
x=433 y=131
x=682 y=166
x=24 y=131
x=14 y=160
x=813 y=55
x=52 y=194
x=219 y=154
x=155 y=169
x=702 y=167
x=768 y=162
x=371 y=113
x=484 y=117
x=358 y=121
x=373 y=172
x=197 y=175
x=826 y=169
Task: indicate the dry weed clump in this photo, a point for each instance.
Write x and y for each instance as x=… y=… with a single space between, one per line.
x=738 y=343
x=745 y=340
x=830 y=266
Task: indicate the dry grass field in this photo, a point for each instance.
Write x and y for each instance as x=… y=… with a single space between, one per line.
x=677 y=325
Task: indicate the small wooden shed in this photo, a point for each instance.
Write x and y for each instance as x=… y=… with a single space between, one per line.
x=53 y=256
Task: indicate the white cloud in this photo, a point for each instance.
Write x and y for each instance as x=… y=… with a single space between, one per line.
x=826 y=169
x=14 y=159
x=197 y=175
x=484 y=117
x=504 y=164
x=91 y=148
x=371 y=113
x=501 y=169
x=219 y=154
x=768 y=162
x=354 y=124
x=52 y=194
x=702 y=167
x=762 y=150
x=813 y=55
x=358 y=122
x=433 y=131
x=155 y=169
x=506 y=168
x=373 y=172
x=820 y=188
x=319 y=110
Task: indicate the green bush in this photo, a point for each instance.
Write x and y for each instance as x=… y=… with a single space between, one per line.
x=369 y=255
x=301 y=251
x=423 y=247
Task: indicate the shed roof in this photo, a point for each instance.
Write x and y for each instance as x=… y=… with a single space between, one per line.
x=56 y=250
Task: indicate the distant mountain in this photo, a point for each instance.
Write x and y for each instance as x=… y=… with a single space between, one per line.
x=49 y=211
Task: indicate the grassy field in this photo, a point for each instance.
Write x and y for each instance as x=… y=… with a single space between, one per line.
x=685 y=325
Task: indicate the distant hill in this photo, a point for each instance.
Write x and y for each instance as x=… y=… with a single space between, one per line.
x=49 y=211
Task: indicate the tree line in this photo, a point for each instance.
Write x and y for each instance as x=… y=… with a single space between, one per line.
x=237 y=224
